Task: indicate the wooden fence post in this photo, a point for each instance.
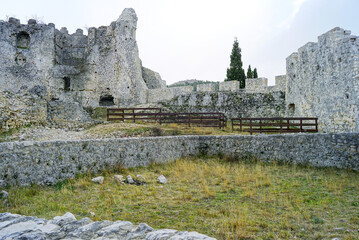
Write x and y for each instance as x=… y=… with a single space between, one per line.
x=250 y=124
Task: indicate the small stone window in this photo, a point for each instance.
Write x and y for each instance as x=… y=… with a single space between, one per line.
x=23 y=40
x=291 y=109
x=67 y=84
x=20 y=59
x=106 y=100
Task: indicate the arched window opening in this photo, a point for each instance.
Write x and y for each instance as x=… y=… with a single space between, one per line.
x=106 y=101
x=67 y=84
x=23 y=40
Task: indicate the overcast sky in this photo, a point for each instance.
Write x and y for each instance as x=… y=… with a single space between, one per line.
x=192 y=39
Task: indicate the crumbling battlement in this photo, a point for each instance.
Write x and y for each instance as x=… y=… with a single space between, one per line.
x=102 y=68
x=323 y=81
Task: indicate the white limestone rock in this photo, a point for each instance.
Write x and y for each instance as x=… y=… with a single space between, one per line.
x=17 y=229
x=89 y=230
x=98 y=180
x=130 y=180
x=118 y=228
x=119 y=178
x=140 y=177
x=62 y=220
x=141 y=230
x=190 y=235
x=162 y=179
x=13 y=226
x=161 y=234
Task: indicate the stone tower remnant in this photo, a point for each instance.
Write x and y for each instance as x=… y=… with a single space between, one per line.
x=323 y=81
x=102 y=68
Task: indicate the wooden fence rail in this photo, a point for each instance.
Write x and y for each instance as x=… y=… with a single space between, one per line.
x=212 y=119
x=281 y=125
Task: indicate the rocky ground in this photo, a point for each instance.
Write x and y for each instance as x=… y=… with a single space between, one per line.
x=106 y=130
x=13 y=226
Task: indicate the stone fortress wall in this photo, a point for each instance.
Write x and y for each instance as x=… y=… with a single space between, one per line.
x=45 y=73
x=52 y=70
x=323 y=81
x=102 y=67
x=233 y=104
x=48 y=162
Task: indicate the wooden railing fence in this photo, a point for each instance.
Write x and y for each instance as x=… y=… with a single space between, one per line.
x=211 y=119
x=281 y=125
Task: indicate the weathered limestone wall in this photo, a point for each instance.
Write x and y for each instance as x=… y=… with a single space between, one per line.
x=152 y=79
x=208 y=87
x=323 y=81
x=69 y=115
x=49 y=162
x=281 y=82
x=20 y=47
x=232 y=104
x=31 y=108
x=163 y=94
x=21 y=109
x=256 y=84
x=231 y=86
x=75 y=67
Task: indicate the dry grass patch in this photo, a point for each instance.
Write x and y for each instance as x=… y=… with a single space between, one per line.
x=226 y=200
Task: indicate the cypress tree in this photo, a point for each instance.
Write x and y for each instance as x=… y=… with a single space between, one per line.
x=249 y=72
x=255 y=74
x=235 y=71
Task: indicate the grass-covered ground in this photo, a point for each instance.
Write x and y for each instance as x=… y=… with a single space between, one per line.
x=223 y=198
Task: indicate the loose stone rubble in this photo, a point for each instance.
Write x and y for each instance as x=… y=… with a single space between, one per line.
x=98 y=179
x=130 y=180
x=162 y=179
x=14 y=226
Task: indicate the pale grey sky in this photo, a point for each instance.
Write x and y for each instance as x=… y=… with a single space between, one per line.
x=187 y=39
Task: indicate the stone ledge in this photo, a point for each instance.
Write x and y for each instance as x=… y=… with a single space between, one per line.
x=14 y=226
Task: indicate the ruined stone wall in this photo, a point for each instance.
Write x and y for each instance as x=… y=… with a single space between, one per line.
x=152 y=79
x=231 y=86
x=281 y=82
x=256 y=84
x=323 y=81
x=21 y=109
x=31 y=107
x=75 y=67
x=21 y=46
x=163 y=94
x=49 y=162
x=103 y=65
x=208 y=87
x=232 y=104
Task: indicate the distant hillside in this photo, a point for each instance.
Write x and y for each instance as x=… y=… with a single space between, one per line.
x=191 y=82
